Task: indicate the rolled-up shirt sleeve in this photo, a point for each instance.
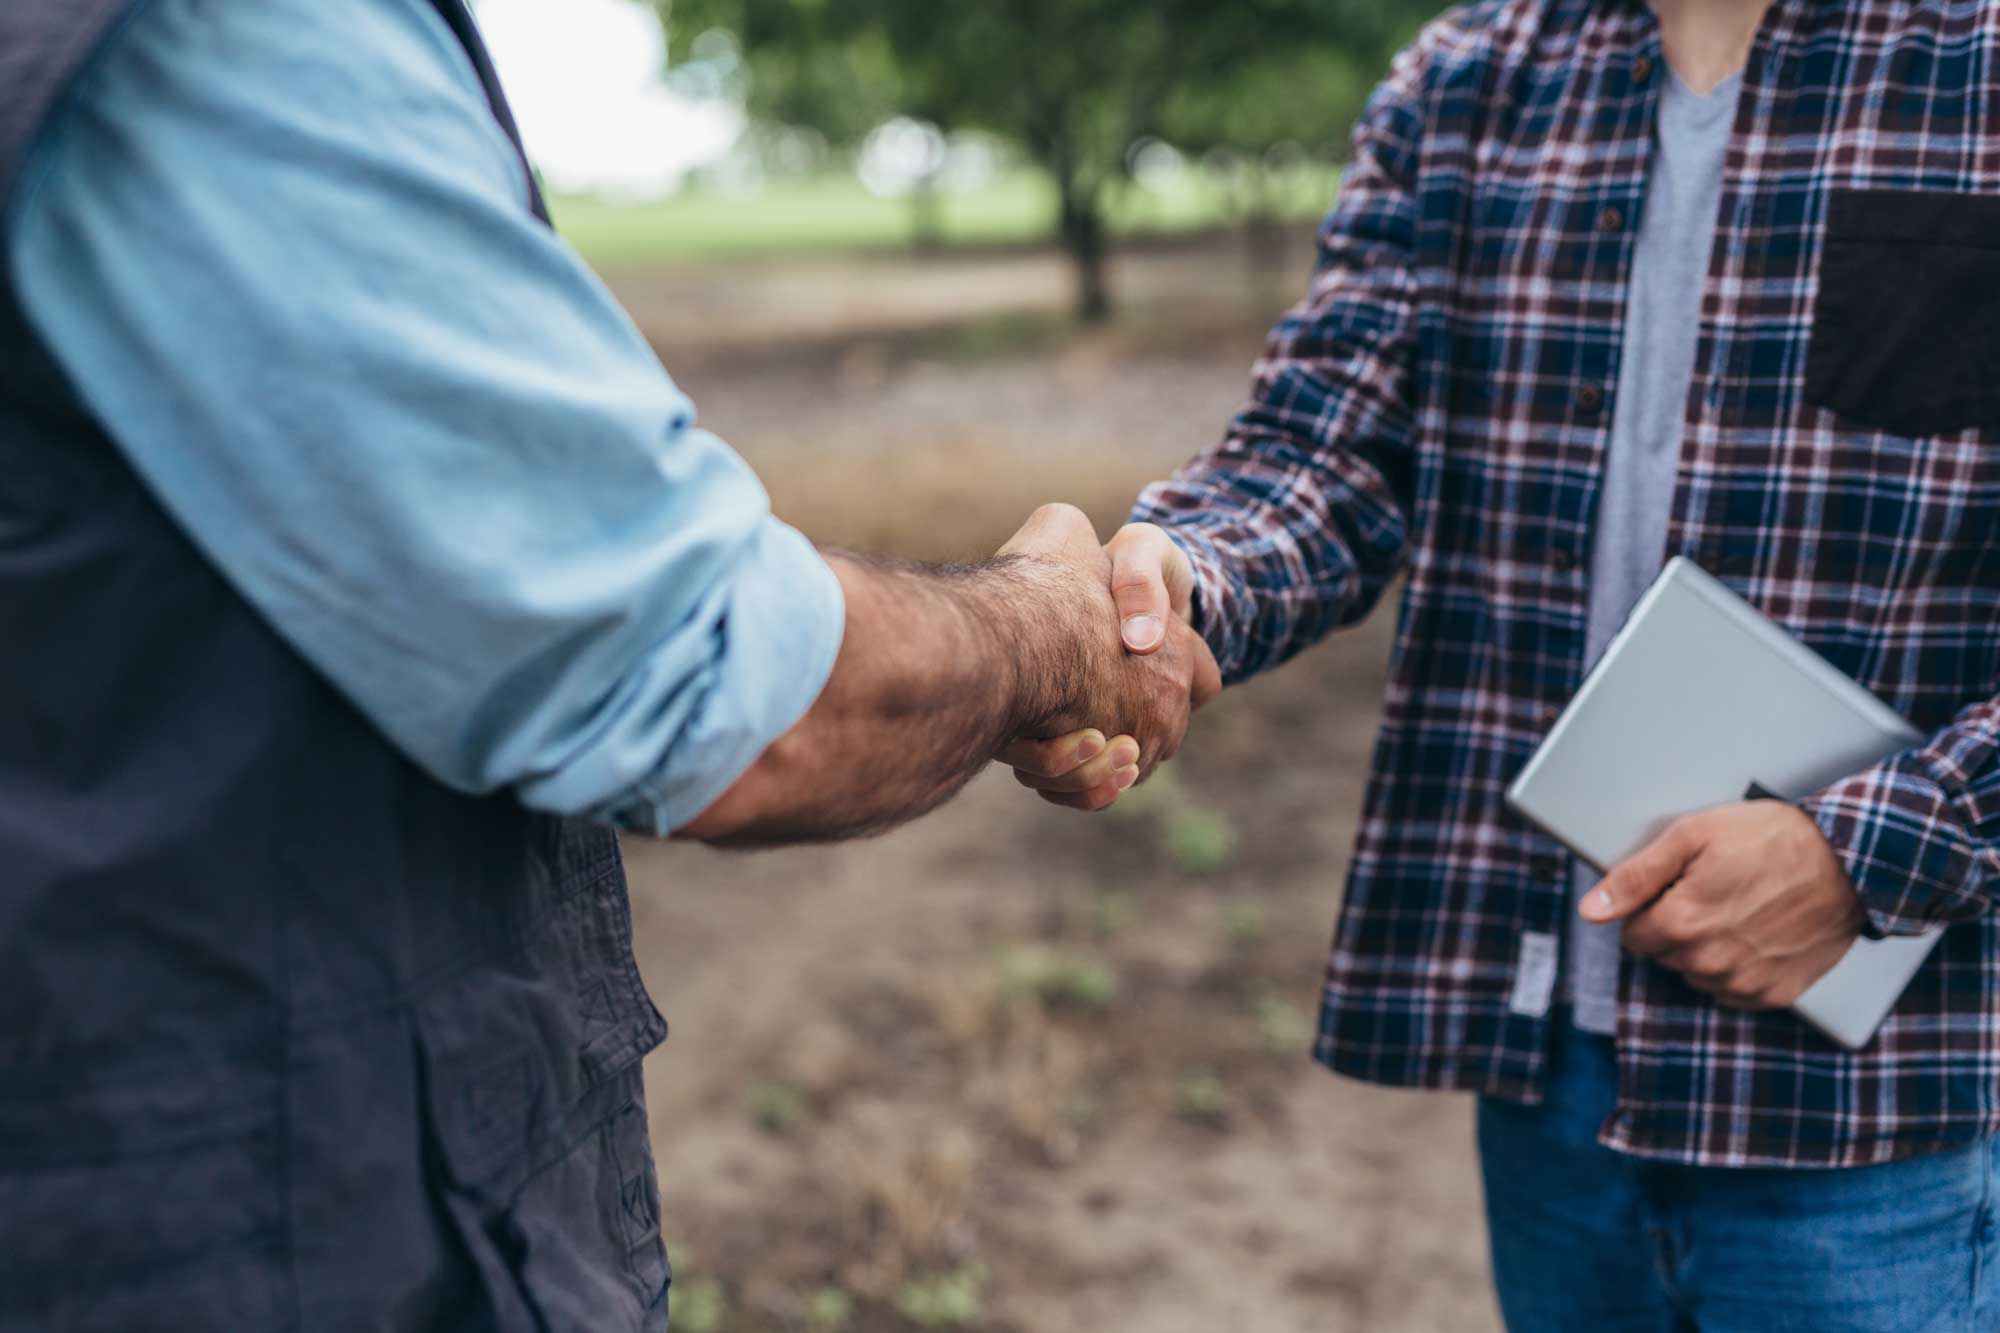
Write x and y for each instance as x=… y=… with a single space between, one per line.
x=283 y=254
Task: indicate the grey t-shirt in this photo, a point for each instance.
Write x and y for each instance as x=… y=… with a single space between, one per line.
x=1656 y=370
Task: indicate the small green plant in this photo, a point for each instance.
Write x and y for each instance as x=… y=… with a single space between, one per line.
x=1111 y=910
x=830 y=1310
x=700 y=1305
x=1082 y=983
x=942 y=1300
x=775 y=1104
x=1059 y=982
x=1284 y=1029
x=1242 y=925
x=1202 y=1098
x=1200 y=840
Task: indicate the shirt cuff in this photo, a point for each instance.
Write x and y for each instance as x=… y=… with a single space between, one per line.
x=1208 y=604
x=778 y=641
x=1897 y=834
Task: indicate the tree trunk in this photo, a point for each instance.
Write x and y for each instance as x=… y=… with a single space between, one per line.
x=1083 y=236
x=927 y=215
x=1264 y=238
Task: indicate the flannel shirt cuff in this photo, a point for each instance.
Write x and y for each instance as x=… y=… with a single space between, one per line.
x=1209 y=610
x=1897 y=832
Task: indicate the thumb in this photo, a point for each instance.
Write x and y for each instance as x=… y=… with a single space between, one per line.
x=1643 y=876
x=1144 y=564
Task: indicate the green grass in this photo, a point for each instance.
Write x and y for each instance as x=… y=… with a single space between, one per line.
x=833 y=214
x=700 y=1306
x=1059 y=981
x=943 y=1300
x=830 y=1311
x=1202 y=1098
x=775 y=1104
x=1285 y=1031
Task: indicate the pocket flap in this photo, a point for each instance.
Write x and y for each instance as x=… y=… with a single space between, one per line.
x=513 y=1049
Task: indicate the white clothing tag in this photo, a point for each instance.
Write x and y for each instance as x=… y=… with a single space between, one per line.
x=1534 y=974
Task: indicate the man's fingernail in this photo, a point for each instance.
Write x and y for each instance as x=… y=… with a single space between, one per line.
x=1128 y=754
x=1124 y=778
x=1088 y=748
x=1144 y=631
x=1597 y=903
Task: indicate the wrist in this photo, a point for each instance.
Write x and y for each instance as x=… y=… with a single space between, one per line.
x=1035 y=621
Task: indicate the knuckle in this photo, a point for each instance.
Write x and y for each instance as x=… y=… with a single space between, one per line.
x=1129 y=577
x=1663 y=925
x=1137 y=534
x=1683 y=834
x=1030 y=763
x=1720 y=958
x=1678 y=920
x=1046 y=761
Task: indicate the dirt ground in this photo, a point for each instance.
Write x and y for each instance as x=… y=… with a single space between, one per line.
x=1011 y=1068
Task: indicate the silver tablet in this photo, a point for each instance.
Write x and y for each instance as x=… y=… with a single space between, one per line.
x=1699 y=701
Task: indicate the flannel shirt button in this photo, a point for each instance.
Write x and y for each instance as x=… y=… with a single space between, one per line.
x=1642 y=69
x=1611 y=219
x=1589 y=397
x=1564 y=560
x=1548 y=714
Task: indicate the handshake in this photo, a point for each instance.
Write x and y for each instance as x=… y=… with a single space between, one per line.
x=1071 y=661
x=1141 y=670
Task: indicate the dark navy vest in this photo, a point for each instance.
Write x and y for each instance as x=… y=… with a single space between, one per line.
x=291 y=1036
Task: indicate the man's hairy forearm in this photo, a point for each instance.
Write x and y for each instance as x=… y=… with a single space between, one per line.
x=940 y=667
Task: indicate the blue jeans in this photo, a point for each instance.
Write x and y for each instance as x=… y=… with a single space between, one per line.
x=1585 y=1238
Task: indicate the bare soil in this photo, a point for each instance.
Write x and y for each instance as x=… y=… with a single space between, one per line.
x=1012 y=1068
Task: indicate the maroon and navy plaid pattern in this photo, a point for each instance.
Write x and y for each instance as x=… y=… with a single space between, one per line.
x=1438 y=406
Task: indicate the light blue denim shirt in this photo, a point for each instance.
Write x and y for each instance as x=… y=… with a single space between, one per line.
x=283 y=252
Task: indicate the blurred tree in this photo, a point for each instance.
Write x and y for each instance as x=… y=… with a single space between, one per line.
x=1075 y=82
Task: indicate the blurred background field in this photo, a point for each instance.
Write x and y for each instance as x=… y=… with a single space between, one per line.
x=1010 y=1068
x=831 y=212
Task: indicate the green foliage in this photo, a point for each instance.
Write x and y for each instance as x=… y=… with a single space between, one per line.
x=1059 y=981
x=1201 y=840
x=1284 y=1029
x=1202 y=1098
x=830 y=1310
x=700 y=1306
x=775 y=1104
x=1308 y=95
x=1074 y=82
x=1198 y=839
x=943 y=1300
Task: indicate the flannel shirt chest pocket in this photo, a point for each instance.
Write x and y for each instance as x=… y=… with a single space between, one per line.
x=1906 y=324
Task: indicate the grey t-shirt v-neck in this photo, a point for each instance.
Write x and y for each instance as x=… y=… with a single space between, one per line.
x=1656 y=371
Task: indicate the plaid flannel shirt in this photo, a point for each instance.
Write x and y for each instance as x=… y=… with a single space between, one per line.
x=1439 y=405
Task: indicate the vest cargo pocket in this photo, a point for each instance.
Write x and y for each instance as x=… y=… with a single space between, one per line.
x=565 y=1237
x=533 y=1104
